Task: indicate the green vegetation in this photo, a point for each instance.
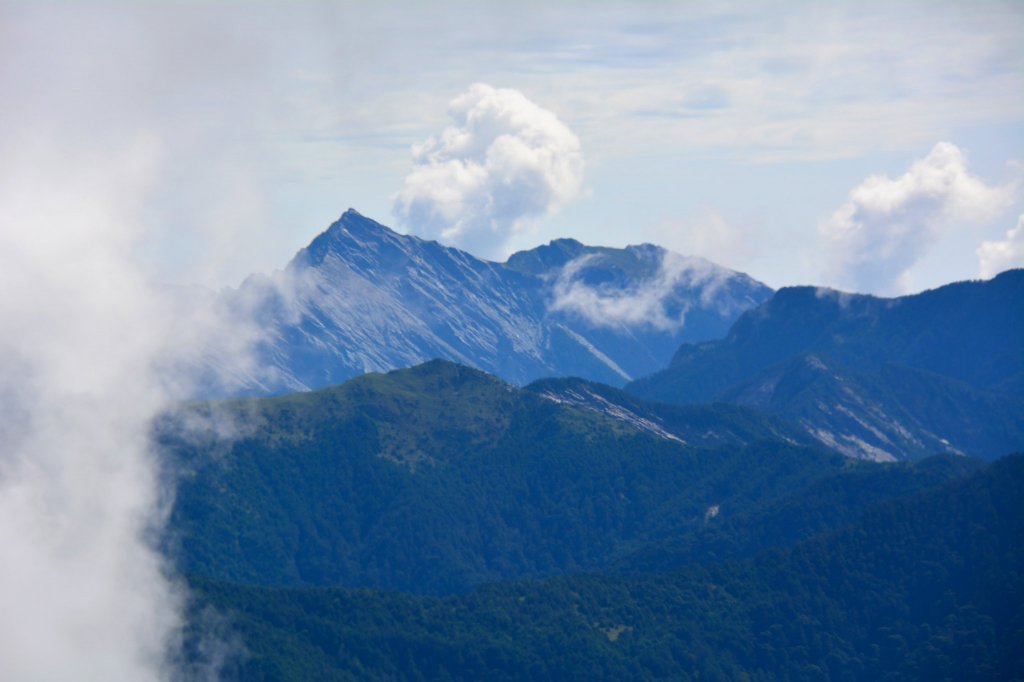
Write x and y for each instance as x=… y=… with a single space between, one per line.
x=438 y=524
x=440 y=478
x=926 y=587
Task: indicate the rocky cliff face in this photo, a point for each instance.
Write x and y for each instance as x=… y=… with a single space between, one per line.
x=363 y=298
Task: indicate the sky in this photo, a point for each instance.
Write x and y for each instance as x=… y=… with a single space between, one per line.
x=736 y=131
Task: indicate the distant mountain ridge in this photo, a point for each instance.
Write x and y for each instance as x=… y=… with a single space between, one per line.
x=940 y=371
x=362 y=297
x=439 y=478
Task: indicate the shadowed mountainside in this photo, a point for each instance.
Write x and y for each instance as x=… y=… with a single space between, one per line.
x=941 y=371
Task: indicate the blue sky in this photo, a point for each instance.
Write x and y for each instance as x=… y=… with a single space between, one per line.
x=742 y=132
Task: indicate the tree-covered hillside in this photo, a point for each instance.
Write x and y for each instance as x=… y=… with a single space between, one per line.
x=926 y=587
x=440 y=478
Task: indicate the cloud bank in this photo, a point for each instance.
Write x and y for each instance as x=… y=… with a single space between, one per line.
x=503 y=162
x=85 y=595
x=90 y=352
x=995 y=257
x=871 y=242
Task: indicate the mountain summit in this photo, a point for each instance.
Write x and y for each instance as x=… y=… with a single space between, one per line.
x=362 y=297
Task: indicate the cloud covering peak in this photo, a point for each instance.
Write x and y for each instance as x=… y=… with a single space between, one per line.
x=655 y=301
x=871 y=242
x=503 y=162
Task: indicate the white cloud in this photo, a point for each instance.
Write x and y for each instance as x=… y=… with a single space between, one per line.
x=305 y=109
x=90 y=352
x=85 y=595
x=653 y=302
x=995 y=257
x=504 y=162
x=871 y=242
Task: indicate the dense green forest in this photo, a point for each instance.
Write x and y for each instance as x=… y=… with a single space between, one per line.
x=439 y=478
x=436 y=523
x=926 y=587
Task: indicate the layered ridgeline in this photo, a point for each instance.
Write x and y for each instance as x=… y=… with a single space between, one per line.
x=940 y=371
x=363 y=298
x=925 y=587
x=568 y=530
x=439 y=478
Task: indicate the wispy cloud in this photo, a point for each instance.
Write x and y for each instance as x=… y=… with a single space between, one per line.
x=660 y=301
x=503 y=162
x=996 y=256
x=887 y=224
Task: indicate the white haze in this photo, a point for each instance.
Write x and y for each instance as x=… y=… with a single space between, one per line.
x=83 y=593
x=996 y=256
x=643 y=303
x=503 y=162
x=871 y=242
x=90 y=349
x=90 y=353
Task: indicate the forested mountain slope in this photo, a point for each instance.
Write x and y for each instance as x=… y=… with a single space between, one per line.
x=926 y=587
x=439 y=478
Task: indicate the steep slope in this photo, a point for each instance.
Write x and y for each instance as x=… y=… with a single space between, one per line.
x=633 y=303
x=969 y=331
x=440 y=477
x=876 y=378
x=363 y=298
x=885 y=414
x=701 y=425
x=926 y=587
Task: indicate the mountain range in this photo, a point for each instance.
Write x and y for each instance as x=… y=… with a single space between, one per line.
x=439 y=478
x=364 y=298
x=596 y=463
x=940 y=371
x=439 y=523
x=872 y=378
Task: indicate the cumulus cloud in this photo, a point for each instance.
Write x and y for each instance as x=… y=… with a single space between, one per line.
x=887 y=225
x=656 y=301
x=503 y=162
x=994 y=257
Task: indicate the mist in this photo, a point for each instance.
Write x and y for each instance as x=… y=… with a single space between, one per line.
x=84 y=593
x=92 y=348
x=658 y=301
